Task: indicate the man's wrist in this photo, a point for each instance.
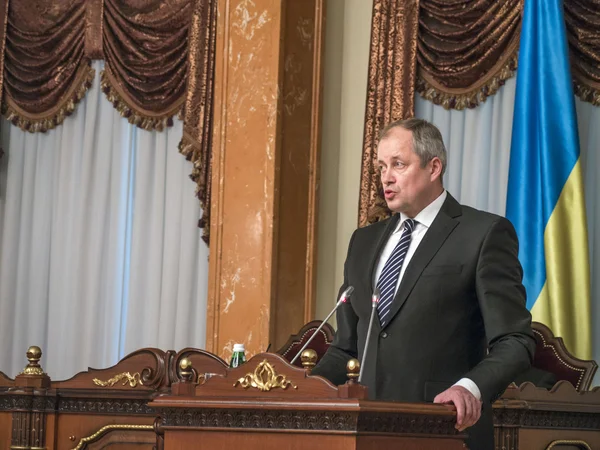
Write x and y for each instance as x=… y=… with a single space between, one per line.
x=470 y=386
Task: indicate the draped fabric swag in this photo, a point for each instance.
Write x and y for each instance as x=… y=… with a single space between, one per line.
x=158 y=63
x=465 y=50
x=390 y=90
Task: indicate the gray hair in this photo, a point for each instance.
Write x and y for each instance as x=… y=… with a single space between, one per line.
x=427 y=139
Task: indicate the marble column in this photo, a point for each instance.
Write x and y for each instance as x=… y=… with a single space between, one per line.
x=265 y=172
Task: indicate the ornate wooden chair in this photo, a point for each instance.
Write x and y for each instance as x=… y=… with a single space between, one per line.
x=552 y=355
x=320 y=343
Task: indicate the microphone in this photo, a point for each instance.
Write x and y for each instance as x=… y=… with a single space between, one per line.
x=374 y=302
x=343 y=299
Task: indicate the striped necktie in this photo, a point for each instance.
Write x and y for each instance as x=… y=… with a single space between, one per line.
x=391 y=271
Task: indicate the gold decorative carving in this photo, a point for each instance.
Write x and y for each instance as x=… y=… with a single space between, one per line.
x=353 y=368
x=309 y=359
x=133 y=380
x=264 y=378
x=84 y=441
x=34 y=354
x=582 y=444
x=32 y=371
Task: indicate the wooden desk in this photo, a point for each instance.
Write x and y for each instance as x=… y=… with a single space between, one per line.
x=268 y=404
x=120 y=410
x=531 y=418
x=95 y=409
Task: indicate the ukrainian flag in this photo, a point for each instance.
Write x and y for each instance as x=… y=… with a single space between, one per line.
x=545 y=199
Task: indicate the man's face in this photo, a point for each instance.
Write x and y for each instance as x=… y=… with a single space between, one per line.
x=407 y=186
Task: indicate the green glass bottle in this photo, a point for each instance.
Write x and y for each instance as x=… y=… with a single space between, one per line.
x=239 y=356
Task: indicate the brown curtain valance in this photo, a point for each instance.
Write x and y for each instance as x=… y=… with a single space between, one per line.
x=466 y=49
x=583 y=32
x=49 y=46
x=145 y=47
x=46 y=72
x=159 y=54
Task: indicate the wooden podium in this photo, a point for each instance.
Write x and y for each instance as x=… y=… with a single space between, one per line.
x=268 y=404
x=265 y=403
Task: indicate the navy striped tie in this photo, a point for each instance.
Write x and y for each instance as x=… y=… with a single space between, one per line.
x=391 y=271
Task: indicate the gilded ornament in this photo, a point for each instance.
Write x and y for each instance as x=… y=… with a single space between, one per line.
x=84 y=441
x=569 y=442
x=126 y=377
x=264 y=378
x=34 y=354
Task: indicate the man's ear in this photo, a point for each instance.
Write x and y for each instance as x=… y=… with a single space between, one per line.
x=436 y=168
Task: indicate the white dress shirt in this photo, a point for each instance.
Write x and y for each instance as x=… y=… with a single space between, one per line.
x=423 y=221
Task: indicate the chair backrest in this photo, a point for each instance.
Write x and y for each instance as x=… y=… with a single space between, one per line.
x=320 y=343
x=552 y=355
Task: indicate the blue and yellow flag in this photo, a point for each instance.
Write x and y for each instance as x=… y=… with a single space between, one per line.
x=545 y=200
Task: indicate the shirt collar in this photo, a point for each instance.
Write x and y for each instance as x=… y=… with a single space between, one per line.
x=427 y=215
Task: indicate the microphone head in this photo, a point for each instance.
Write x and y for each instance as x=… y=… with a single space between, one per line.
x=376 y=295
x=346 y=294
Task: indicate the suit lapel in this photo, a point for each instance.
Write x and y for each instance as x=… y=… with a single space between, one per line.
x=435 y=237
x=381 y=240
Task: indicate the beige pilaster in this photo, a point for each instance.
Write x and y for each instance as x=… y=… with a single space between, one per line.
x=265 y=172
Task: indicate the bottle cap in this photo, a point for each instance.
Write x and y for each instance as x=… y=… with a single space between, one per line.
x=238 y=348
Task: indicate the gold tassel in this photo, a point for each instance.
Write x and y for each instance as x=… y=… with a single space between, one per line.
x=586 y=93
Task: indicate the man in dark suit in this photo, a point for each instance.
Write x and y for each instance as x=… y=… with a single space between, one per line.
x=452 y=325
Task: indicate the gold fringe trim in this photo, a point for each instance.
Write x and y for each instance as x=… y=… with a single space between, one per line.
x=586 y=93
x=187 y=148
x=131 y=113
x=473 y=98
x=57 y=115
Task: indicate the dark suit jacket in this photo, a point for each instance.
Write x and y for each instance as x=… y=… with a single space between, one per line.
x=461 y=294
x=539 y=377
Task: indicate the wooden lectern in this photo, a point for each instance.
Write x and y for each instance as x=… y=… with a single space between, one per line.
x=269 y=404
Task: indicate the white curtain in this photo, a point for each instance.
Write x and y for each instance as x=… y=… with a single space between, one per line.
x=478 y=144
x=100 y=253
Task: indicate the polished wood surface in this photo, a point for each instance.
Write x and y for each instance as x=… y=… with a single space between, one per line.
x=227 y=440
x=532 y=418
x=106 y=408
x=146 y=400
x=269 y=404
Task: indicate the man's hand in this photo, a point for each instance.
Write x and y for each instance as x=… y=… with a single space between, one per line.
x=468 y=408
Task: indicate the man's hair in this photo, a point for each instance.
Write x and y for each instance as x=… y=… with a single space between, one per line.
x=427 y=139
